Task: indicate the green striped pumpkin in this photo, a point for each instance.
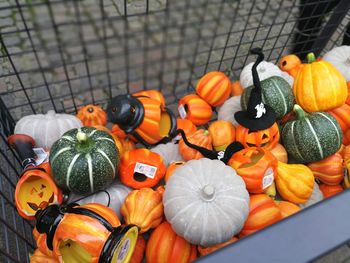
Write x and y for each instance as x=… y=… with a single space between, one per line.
x=276 y=92
x=311 y=137
x=84 y=160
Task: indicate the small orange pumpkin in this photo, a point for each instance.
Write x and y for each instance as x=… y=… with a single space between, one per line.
x=265 y=138
x=195 y=109
x=222 y=133
x=341 y=114
x=143 y=208
x=141 y=168
x=207 y=250
x=186 y=125
x=165 y=246
x=287 y=208
x=280 y=153
x=201 y=138
x=330 y=190
x=139 y=251
x=263 y=212
x=257 y=167
x=290 y=64
x=236 y=88
x=329 y=170
x=214 y=87
x=171 y=168
x=153 y=94
x=91 y=115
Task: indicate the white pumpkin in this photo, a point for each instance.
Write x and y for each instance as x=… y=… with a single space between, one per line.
x=315 y=197
x=169 y=152
x=47 y=128
x=265 y=70
x=229 y=108
x=206 y=202
x=117 y=194
x=340 y=58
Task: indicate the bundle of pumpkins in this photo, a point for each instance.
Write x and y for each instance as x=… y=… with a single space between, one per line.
x=185 y=205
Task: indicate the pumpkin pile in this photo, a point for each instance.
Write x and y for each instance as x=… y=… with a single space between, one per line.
x=133 y=182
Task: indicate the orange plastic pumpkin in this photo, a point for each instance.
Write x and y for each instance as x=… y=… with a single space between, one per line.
x=290 y=64
x=330 y=190
x=329 y=170
x=214 y=87
x=153 y=94
x=265 y=138
x=171 y=168
x=280 y=153
x=236 y=88
x=139 y=251
x=341 y=114
x=164 y=246
x=39 y=257
x=319 y=86
x=195 y=109
x=207 y=250
x=257 y=167
x=263 y=212
x=143 y=208
x=222 y=133
x=141 y=168
x=287 y=208
x=91 y=115
x=116 y=130
x=201 y=138
x=186 y=125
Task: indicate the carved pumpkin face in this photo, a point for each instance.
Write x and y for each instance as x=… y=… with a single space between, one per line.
x=267 y=138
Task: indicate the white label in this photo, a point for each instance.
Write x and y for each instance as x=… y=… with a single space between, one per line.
x=182 y=111
x=268 y=178
x=147 y=170
x=41 y=155
x=123 y=252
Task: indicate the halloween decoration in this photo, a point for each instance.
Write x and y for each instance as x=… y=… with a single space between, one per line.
x=88 y=233
x=222 y=133
x=201 y=138
x=35 y=189
x=311 y=137
x=84 y=160
x=207 y=250
x=152 y=94
x=141 y=168
x=221 y=198
x=171 y=169
x=315 y=197
x=169 y=152
x=91 y=115
x=142 y=117
x=143 y=208
x=319 y=86
x=340 y=58
x=195 y=109
x=256 y=166
x=229 y=108
x=45 y=129
x=290 y=64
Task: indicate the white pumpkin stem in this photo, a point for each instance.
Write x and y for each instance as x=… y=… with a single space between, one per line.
x=81 y=137
x=208 y=192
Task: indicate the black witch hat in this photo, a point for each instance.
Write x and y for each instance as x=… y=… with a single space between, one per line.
x=258 y=115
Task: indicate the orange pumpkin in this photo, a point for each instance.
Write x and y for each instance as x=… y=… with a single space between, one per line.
x=153 y=94
x=195 y=109
x=127 y=145
x=319 y=86
x=116 y=130
x=330 y=190
x=222 y=133
x=207 y=250
x=287 y=208
x=265 y=138
x=256 y=166
x=39 y=257
x=171 y=168
x=341 y=114
x=141 y=168
x=329 y=170
x=290 y=64
x=263 y=212
x=143 y=208
x=186 y=125
x=201 y=138
x=214 y=87
x=236 y=88
x=280 y=153
x=164 y=246
x=139 y=251
x=91 y=115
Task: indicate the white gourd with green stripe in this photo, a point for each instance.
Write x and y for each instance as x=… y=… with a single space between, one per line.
x=84 y=160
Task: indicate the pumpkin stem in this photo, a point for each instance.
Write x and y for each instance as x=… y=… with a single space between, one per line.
x=311 y=57
x=300 y=113
x=81 y=137
x=208 y=192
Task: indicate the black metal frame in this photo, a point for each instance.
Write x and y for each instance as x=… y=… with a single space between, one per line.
x=164 y=44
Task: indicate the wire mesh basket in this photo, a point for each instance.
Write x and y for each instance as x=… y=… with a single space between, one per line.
x=61 y=55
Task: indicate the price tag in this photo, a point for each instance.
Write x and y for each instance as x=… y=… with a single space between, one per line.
x=145 y=169
x=41 y=155
x=268 y=178
x=182 y=111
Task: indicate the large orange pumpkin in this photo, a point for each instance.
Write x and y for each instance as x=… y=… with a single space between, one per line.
x=207 y=250
x=91 y=115
x=290 y=64
x=330 y=190
x=139 y=251
x=236 y=88
x=214 y=87
x=265 y=138
x=195 y=109
x=164 y=246
x=222 y=133
x=153 y=94
x=201 y=138
x=341 y=114
x=319 y=86
x=329 y=170
x=280 y=153
x=256 y=166
x=287 y=208
x=263 y=212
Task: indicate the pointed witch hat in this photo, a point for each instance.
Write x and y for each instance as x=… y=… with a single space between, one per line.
x=258 y=115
